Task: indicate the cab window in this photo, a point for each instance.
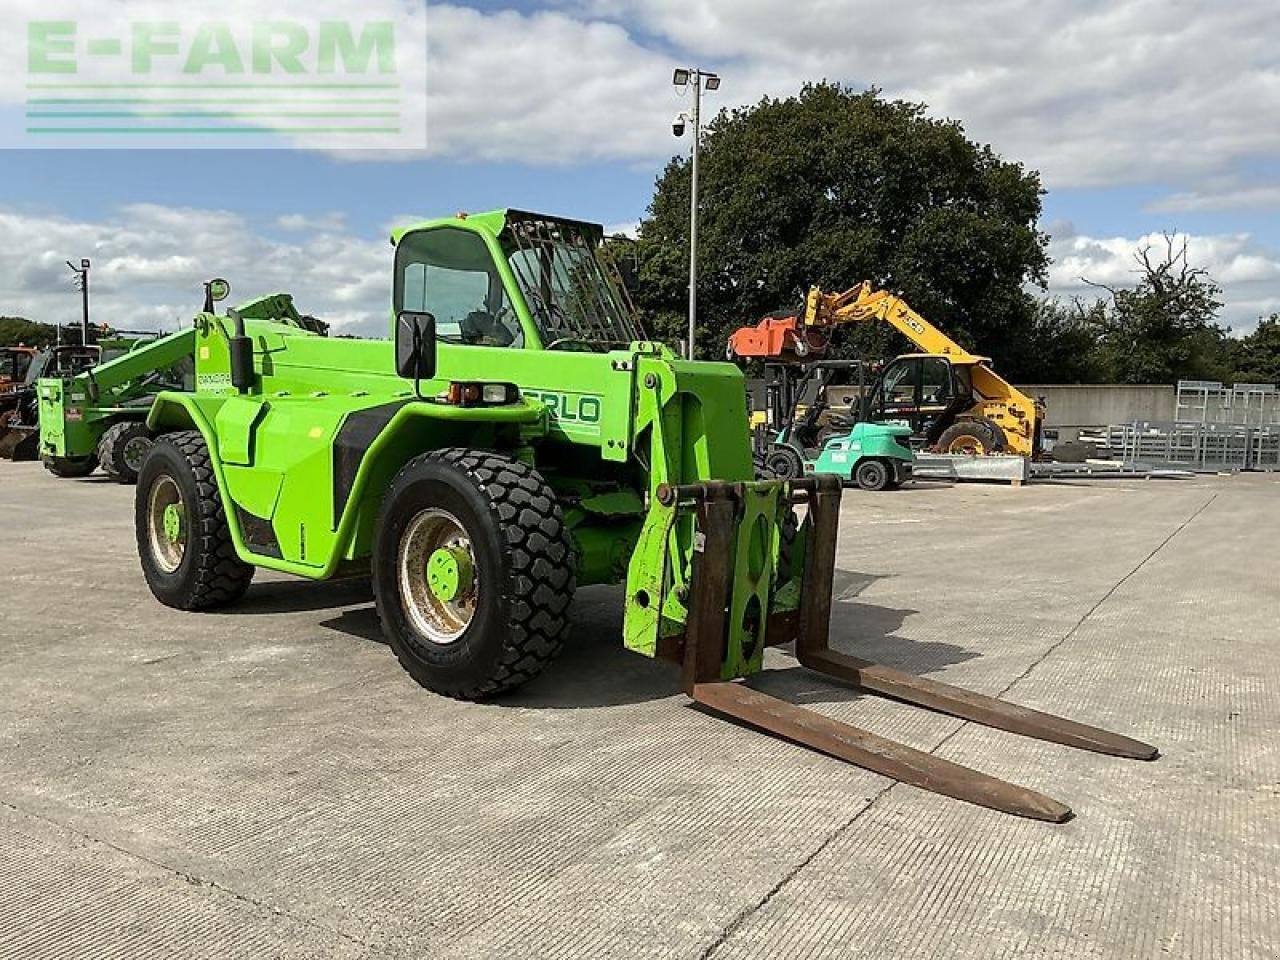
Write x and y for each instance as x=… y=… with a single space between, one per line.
x=900 y=384
x=450 y=274
x=936 y=377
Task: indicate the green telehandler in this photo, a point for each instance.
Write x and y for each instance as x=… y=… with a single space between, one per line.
x=94 y=414
x=516 y=439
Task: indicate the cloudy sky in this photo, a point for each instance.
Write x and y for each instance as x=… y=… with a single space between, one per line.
x=1142 y=116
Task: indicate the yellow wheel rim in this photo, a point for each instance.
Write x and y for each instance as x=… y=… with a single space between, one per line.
x=968 y=444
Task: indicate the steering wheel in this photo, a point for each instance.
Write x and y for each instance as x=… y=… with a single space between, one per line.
x=562 y=341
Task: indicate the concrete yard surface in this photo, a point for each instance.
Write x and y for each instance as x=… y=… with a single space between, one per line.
x=266 y=782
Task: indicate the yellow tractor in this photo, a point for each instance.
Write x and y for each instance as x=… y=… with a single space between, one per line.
x=952 y=399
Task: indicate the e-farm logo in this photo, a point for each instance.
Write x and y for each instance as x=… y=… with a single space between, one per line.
x=320 y=80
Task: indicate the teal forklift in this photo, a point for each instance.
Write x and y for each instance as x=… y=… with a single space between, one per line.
x=803 y=435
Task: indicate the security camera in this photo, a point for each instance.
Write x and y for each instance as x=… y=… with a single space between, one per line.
x=677 y=125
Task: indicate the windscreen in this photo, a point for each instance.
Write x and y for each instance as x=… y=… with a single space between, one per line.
x=574 y=293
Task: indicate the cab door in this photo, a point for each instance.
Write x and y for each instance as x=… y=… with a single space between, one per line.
x=937 y=395
x=896 y=399
x=916 y=392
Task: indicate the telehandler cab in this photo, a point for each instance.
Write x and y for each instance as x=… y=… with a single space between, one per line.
x=518 y=439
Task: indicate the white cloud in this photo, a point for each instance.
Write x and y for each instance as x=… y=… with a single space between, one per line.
x=1219 y=198
x=1094 y=92
x=298 y=222
x=1091 y=92
x=1248 y=272
x=149 y=262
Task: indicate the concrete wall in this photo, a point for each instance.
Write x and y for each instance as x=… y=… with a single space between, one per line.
x=1097 y=405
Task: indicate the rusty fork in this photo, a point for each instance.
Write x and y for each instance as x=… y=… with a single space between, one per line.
x=703 y=655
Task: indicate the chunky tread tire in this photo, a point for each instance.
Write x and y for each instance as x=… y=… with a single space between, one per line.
x=980 y=430
x=211 y=574
x=519 y=539
x=71 y=468
x=762 y=469
x=111 y=450
x=784 y=463
x=999 y=442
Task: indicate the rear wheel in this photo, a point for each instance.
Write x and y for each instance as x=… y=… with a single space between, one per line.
x=473 y=572
x=71 y=467
x=873 y=475
x=122 y=449
x=184 y=543
x=974 y=438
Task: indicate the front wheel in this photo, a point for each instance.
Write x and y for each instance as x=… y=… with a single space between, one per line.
x=972 y=438
x=873 y=475
x=122 y=449
x=184 y=543
x=473 y=572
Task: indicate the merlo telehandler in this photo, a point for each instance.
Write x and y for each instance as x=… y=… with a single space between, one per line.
x=517 y=439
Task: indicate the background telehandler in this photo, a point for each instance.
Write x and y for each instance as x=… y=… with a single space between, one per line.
x=952 y=399
x=14 y=363
x=515 y=440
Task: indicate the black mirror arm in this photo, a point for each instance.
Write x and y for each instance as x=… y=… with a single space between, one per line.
x=417 y=362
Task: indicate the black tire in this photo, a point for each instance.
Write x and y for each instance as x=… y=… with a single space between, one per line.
x=784 y=463
x=972 y=437
x=209 y=574
x=122 y=449
x=517 y=541
x=874 y=475
x=70 y=468
x=999 y=441
x=761 y=464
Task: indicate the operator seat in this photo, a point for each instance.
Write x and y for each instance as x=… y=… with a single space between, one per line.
x=482 y=327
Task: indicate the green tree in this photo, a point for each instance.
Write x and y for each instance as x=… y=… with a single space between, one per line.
x=832 y=187
x=1257 y=356
x=1165 y=328
x=20 y=330
x=1061 y=344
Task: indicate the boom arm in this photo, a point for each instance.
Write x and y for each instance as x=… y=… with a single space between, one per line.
x=864 y=304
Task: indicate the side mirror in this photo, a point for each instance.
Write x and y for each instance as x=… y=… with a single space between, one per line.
x=416 y=345
x=215 y=291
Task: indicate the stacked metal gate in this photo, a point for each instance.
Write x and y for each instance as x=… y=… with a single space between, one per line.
x=1219 y=428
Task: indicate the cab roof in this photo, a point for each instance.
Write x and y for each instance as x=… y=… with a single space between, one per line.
x=493 y=220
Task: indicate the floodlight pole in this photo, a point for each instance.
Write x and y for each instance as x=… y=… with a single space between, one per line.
x=693 y=214
x=683 y=77
x=82 y=281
